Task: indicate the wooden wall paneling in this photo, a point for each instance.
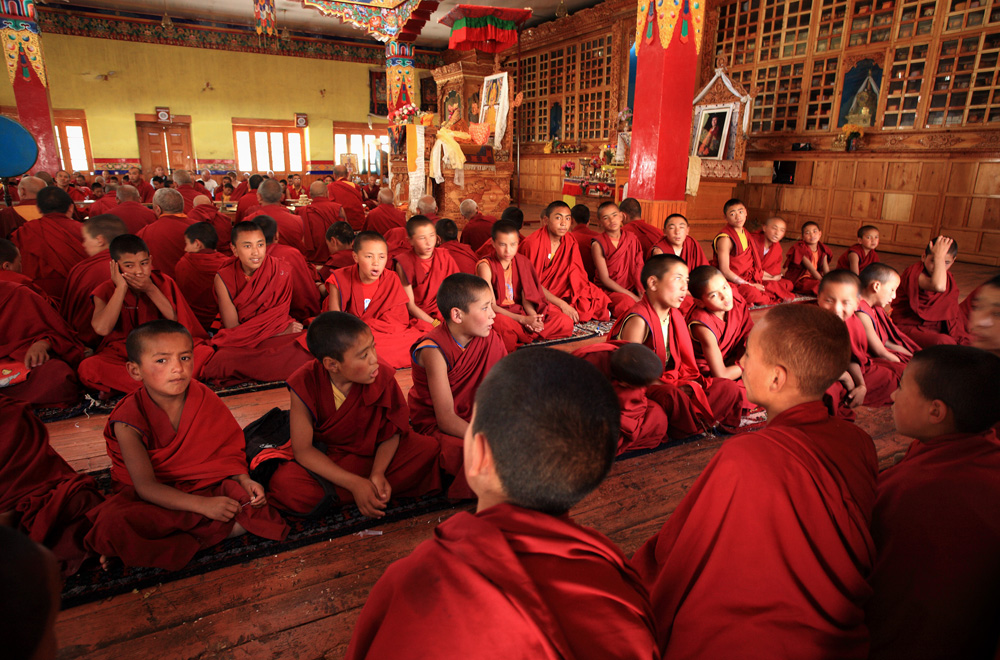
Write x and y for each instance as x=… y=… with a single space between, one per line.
x=990 y=245
x=927 y=210
x=866 y=205
x=843 y=229
x=984 y=213
x=845 y=174
x=988 y=179
x=933 y=176
x=870 y=175
x=955 y=212
x=962 y=177
x=803 y=173
x=903 y=176
x=896 y=207
x=822 y=174
x=914 y=236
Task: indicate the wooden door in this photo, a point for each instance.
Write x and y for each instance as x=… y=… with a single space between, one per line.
x=180 y=155
x=165 y=145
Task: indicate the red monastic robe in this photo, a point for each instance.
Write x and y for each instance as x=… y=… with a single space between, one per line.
x=77 y=305
x=351 y=434
x=624 y=264
x=398 y=242
x=769 y=552
x=195 y=275
x=927 y=317
x=290 y=227
x=647 y=234
x=512 y=583
x=222 y=224
x=257 y=349
x=146 y=191
x=246 y=203
x=881 y=375
x=305 y=292
x=189 y=192
x=134 y=215
x=25 y=318
x=463 y=255
x=730 y=332
x=887 y=330
x=49 y=498
x=292 y=193
x=165 y=240
x=771 y=256
x=691 y=252
x=12 y=217
x=198 y=458
x=966 y=307
x=241 y=189
x=936 y=583
x=477 y=230
x=339 y=259
x=385 y=313
x=316 y=219
x=427 y=281
x=562 y=273
x=50 y=246
x=863 y=259
x=524 y=285
x=17 y=278
x=713 y=400
x=347 y=195
x=76 y=194
x=796 y=273
x=583 y=235
x=384 y=217
x=103 y=205
x=746 y=263
x=644 y=425
x=467 y=367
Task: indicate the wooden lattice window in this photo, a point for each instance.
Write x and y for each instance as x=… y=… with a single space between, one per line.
x=776 y=107
x=569 y=117
x=965 y=87
x=796 y=35
x=737 y=35
x=595 y=115
x=916 y=18
x=529 y=76
x=830 y=28
x=819 y=110
x=542 y=121
x=871 y=22
x=906 y=80
x=725 y=40
x=528 y=112
x=964 y=14
x=771 y=30
x=595 y=63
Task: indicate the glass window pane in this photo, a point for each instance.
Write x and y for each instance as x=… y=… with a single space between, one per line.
x=77 y=148
x=62 y=161
x=358 y=149
x=260 y=142
x=278 y=152
x=339 y=147
x=294 y=152
x=244 y=157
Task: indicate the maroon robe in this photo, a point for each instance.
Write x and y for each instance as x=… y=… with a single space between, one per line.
x=77 y=194
x=863 y=259
x=195 y=276
x=165 y=240
x=198 y=458
x=564 y=277
x=771 y=256
x=881 y=375
x=241 y=189
x=290 y=227
x=221 y=223
x=477 y=230
x=928 y=317
x=103 y=205
x=463 y=255
x=583 y=235
x=426 y=283
x=246 y=202
x=746 y=263
x=49 y=498
x=347 y=195
x=524 y=286
x=691 y=252
x=305 y=292
x=292 y=193
x=50 y=246
x=350 y=436
x=467 y=367
x=146 y=191
x=644 y=425
x=316 y=219
x=511 y=583
x=936 y=583
x=887 y=330
x=398 y=242
x=189 y=192
x=134 y=215
x=17 y=278
x=77 y=305
x=339 y=259
x=800 y=278
x=769 y=552
x=10 y=219
x=647 y=234
x=730 y=332
x=624 y=264
x=384 y=217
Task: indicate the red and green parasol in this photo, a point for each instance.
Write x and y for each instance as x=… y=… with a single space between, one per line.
x=488 y=29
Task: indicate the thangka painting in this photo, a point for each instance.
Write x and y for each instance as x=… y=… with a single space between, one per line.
x=494 y=104
x=474 y=108
x=859 y=99
x=378 y=102
x=428 y=94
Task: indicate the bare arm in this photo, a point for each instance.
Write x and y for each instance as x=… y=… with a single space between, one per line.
x=875 y=345
x=634 y=331
x=723 y=246
x=601 y=268
x=710 y=349
x=857 y=395
x=411 y=301
x=854 y=262
x=106 y=312
x=227 y=310
x=333 y=299
x=824 y=265
x=564 y=306
x=938 y=281
x=444 y=401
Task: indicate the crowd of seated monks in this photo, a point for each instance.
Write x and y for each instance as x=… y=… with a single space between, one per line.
x=789 y=544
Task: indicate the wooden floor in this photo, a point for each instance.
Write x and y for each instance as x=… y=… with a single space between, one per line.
x=303 y=603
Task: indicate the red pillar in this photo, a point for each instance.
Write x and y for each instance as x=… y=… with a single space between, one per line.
x=22 y=50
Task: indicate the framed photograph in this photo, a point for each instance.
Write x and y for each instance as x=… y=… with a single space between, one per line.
x=711 y=130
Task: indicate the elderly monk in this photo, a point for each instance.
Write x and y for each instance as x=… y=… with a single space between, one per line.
x=321 y=214
x=385 y=216
x=184 y=184
x=477 y=226
x=290 y=227
x=132 y=212
x=204 y=210
x=165 y=236
x=348 y=195
x=428 y=206
x=13 y=217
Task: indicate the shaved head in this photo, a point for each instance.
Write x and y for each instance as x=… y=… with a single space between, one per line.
x=812 y=345
x=29 y=186
x=182 y=177
x=201 y=199
x=317 y=189
x=127 y=193
x=169 y=200
x=269 y=191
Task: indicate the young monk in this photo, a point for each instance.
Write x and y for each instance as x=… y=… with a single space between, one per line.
x=808 y=260
x=40 y=494
x=518 y=579
x=984 y=317
x=720 y=324
x=693 y=403
x=133 y=295
x=465 y=258
x=305 y=279
x=422 y=269
x=449 y=363
x=935 y=527
x=926 y=306
x=259 y=339
x=738 y=259
x=878 y=289
x=862 y=254
x=339 y=242
x=375 y=295
x=522 y=311
x=768 y=240
x=350 y=433
x=51 y=245
x=77 y=305
x=560 y=270
x=204 y=210
x=676 y=240
x=631 y=369
x=647 y=234
x=515 y=216
x=584 y=236
x=177 y=461
x=10 y=268
x=617 y=259
x=767 y=555
x=30 y=591
x=195 y=272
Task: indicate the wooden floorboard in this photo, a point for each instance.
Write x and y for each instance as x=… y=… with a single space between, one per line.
x=303 y=603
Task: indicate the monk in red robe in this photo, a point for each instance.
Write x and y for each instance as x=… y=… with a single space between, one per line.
x=398 y=242
x=204 y=210
x=195 y=272
x=427 y=206
x=647 y=234
x=477 y=227
x=422 y=269
x=385 y=216
x=64 y=183
x=305 y=279
x=51 y=245
x=12 y=217
x=926 y=306
x=317 y=218
x=862 y=254
x=375 y=295
x=518 y=578
x=248 y=200
x=105 y=202
x=133 y=295
x=879 y=283
x=617 y=257
x=259 y=339
x=350 y=435
x=165 y=237
x=290 y=227
x=135 y=180
x=584 y=236
x=984 y=310
x=10 y=269
x=132 y=212
x=631 y=368
x=77 y=305
x=294 y=189
x=463 y=255
x=340 y=245
x=808 y=260
x=770 y=548
x=736 y=255
x=184 y=184
x=937 y=535
x=560 y=270
x=243 y=186
x=676 y=240
x=177 y=461
x=463 y=350
x=523 y=313
x=693 y=402
x=40 y=494
x=348 y=195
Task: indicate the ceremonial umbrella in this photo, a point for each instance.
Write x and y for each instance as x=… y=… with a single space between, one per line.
x=489 y=29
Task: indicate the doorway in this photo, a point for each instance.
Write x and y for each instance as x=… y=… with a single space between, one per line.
x=166 y=145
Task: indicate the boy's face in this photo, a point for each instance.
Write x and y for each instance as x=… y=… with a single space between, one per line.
x=984 y=320
x=718 y=297
x=885 y=292
x=192 y=247
x=371 y=258
x=775 y=230
x=92 y=244
x=841 y=298
x=671 y=289
x=14 y=266
x=360 y=364
x=929 y=259
x=250 y=248
x=610 y=218
x=478 y=320
x=559 y=221
x=811 y=235
x=166 y=365
x=424 y=240
x=138 y=266
x=296 y=181
x=676 y=231
x=505 y=245
x=909 y=405
x=736 y=216
x=869 y=240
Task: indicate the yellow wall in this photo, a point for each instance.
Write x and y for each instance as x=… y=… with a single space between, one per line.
x=247 y=85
